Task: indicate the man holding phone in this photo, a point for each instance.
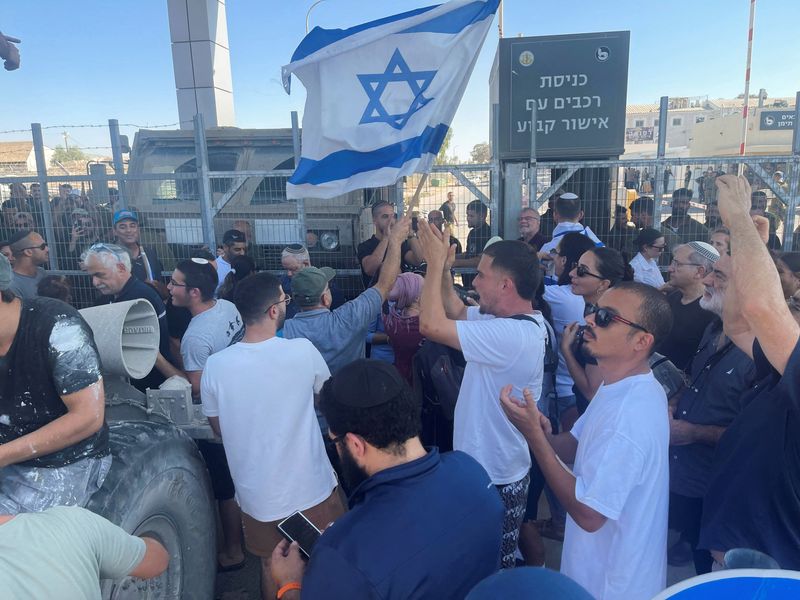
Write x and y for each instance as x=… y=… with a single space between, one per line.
x=421 y=524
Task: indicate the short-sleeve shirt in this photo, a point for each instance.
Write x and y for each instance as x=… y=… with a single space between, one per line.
x=498 y=352
x=689 y=321
x=753 y=498
x=646 y=271
x=715 y=396
x=26 y=287
x=263 y=394
x=63 y=552
x=476 y=240
x=367 y=247
x=209 y=332
x=621 y=471
x=145 y=270
x=53 y=355
x=339 y=335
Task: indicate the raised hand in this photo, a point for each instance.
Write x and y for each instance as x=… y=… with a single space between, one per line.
x=733 y=197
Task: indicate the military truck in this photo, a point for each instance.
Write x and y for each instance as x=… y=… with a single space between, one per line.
x=253 y=166
x=158 y=485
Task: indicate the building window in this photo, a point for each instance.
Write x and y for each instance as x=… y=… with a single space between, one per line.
x=677 y=122
x=638 y=123
x=655 y=123
x=699 y=119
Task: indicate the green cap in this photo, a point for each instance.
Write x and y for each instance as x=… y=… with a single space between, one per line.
x=309 y=283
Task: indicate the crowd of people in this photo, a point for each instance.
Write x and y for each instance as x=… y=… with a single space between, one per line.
x=550 y=370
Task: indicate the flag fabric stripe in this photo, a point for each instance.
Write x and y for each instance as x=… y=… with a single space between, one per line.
x=346 y=163
x=318 y=38
x=456 y=20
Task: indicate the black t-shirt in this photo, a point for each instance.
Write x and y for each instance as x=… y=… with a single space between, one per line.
x=476 y=240
x=139 y=267
x=53 y=354
x=368 y=247
x=134 y=290
x=753 y=498
x=178 y=319
x=689 y=321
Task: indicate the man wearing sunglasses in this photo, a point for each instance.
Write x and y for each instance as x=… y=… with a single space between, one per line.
x=616 y=497
x=30 y=253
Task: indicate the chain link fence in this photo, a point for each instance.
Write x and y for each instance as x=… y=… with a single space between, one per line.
x=186 y=200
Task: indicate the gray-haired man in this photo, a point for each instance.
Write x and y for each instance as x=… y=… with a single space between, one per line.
x=109 y=267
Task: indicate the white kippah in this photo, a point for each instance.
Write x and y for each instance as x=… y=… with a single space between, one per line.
x=569 y=196
x=705 y=250
x=493 y=240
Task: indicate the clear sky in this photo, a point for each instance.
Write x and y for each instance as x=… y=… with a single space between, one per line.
x=87 y=61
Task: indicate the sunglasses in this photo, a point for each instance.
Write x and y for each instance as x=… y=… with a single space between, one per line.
x=583 y=271
x=41 y=246
x=603 y=317
x=659 y=248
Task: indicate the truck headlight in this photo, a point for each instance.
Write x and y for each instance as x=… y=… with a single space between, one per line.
x=329 y=240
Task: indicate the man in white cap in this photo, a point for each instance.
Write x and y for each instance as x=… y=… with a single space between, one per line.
x=568 y=212
x=689 y=266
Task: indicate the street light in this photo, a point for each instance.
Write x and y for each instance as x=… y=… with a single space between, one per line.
x=308 y=14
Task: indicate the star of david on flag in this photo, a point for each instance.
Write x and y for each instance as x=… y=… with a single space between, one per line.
x=381 y=95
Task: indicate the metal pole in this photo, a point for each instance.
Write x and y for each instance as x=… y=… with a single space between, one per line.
x=794 y=199
x=301 y=203
x=500 y=20
x=532 y=167
x=497 y=198
x=308 y=14
x=119 y=169
x=41 y=170
x=658 y=193
x=203 y=182
x=746 y=107
x=796 y=133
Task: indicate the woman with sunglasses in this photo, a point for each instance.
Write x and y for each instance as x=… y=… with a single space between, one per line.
x=597 y=270
x=651 y=245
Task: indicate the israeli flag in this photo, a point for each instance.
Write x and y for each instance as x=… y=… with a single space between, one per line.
x=381 y=95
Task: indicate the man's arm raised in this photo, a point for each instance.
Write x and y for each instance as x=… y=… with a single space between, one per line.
x=755 y=278
x=434 y=323
x=391 y=264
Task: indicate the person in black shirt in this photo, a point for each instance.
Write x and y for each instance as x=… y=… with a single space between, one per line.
x=53 y=436
x=529 y=222
x=699 y=414
x=145 y=265
x=109 y=268
x=479 y=234
x=371 y=252
x=753 y=497
x=690 y=264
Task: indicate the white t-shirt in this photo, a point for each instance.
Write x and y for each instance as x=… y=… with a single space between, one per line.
x=223 y=268
x=566 y=227
x=646 y=271
x=567 y=308
x=498 y=352
x=622 y=472
x=263 y=394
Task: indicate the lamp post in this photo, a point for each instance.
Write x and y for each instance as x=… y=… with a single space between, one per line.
x=308 y=14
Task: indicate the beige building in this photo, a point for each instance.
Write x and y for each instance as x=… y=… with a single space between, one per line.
x=17 y=158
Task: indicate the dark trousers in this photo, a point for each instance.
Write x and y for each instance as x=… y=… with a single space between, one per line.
x=685 y=514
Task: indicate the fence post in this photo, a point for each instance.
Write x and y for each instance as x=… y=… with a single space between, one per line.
x=794 y=183
x=41 y=171
x=533 y=187
x=301 y=203
x=495 y=177
x=658 y=193
x=204 y=182
x=119 y=169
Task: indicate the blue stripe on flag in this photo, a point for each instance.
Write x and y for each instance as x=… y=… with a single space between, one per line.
x=318 y=38
x=346 y=163
x=458 y=19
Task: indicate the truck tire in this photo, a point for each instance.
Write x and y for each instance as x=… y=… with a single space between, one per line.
x=158 y=487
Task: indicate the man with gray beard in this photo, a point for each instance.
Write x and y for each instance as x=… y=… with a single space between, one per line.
x=700 y=413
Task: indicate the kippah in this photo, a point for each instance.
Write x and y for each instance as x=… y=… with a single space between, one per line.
x=366 y=383
x=705 y=250
x=569 y=196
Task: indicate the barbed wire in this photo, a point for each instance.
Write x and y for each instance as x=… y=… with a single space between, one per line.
x=95 y=126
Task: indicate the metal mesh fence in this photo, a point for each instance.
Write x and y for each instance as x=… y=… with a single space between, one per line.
x=184 y=211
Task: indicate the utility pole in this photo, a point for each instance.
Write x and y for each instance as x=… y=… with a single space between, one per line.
x=65 y=135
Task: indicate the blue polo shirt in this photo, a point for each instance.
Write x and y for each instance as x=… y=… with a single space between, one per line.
x=430 y=528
